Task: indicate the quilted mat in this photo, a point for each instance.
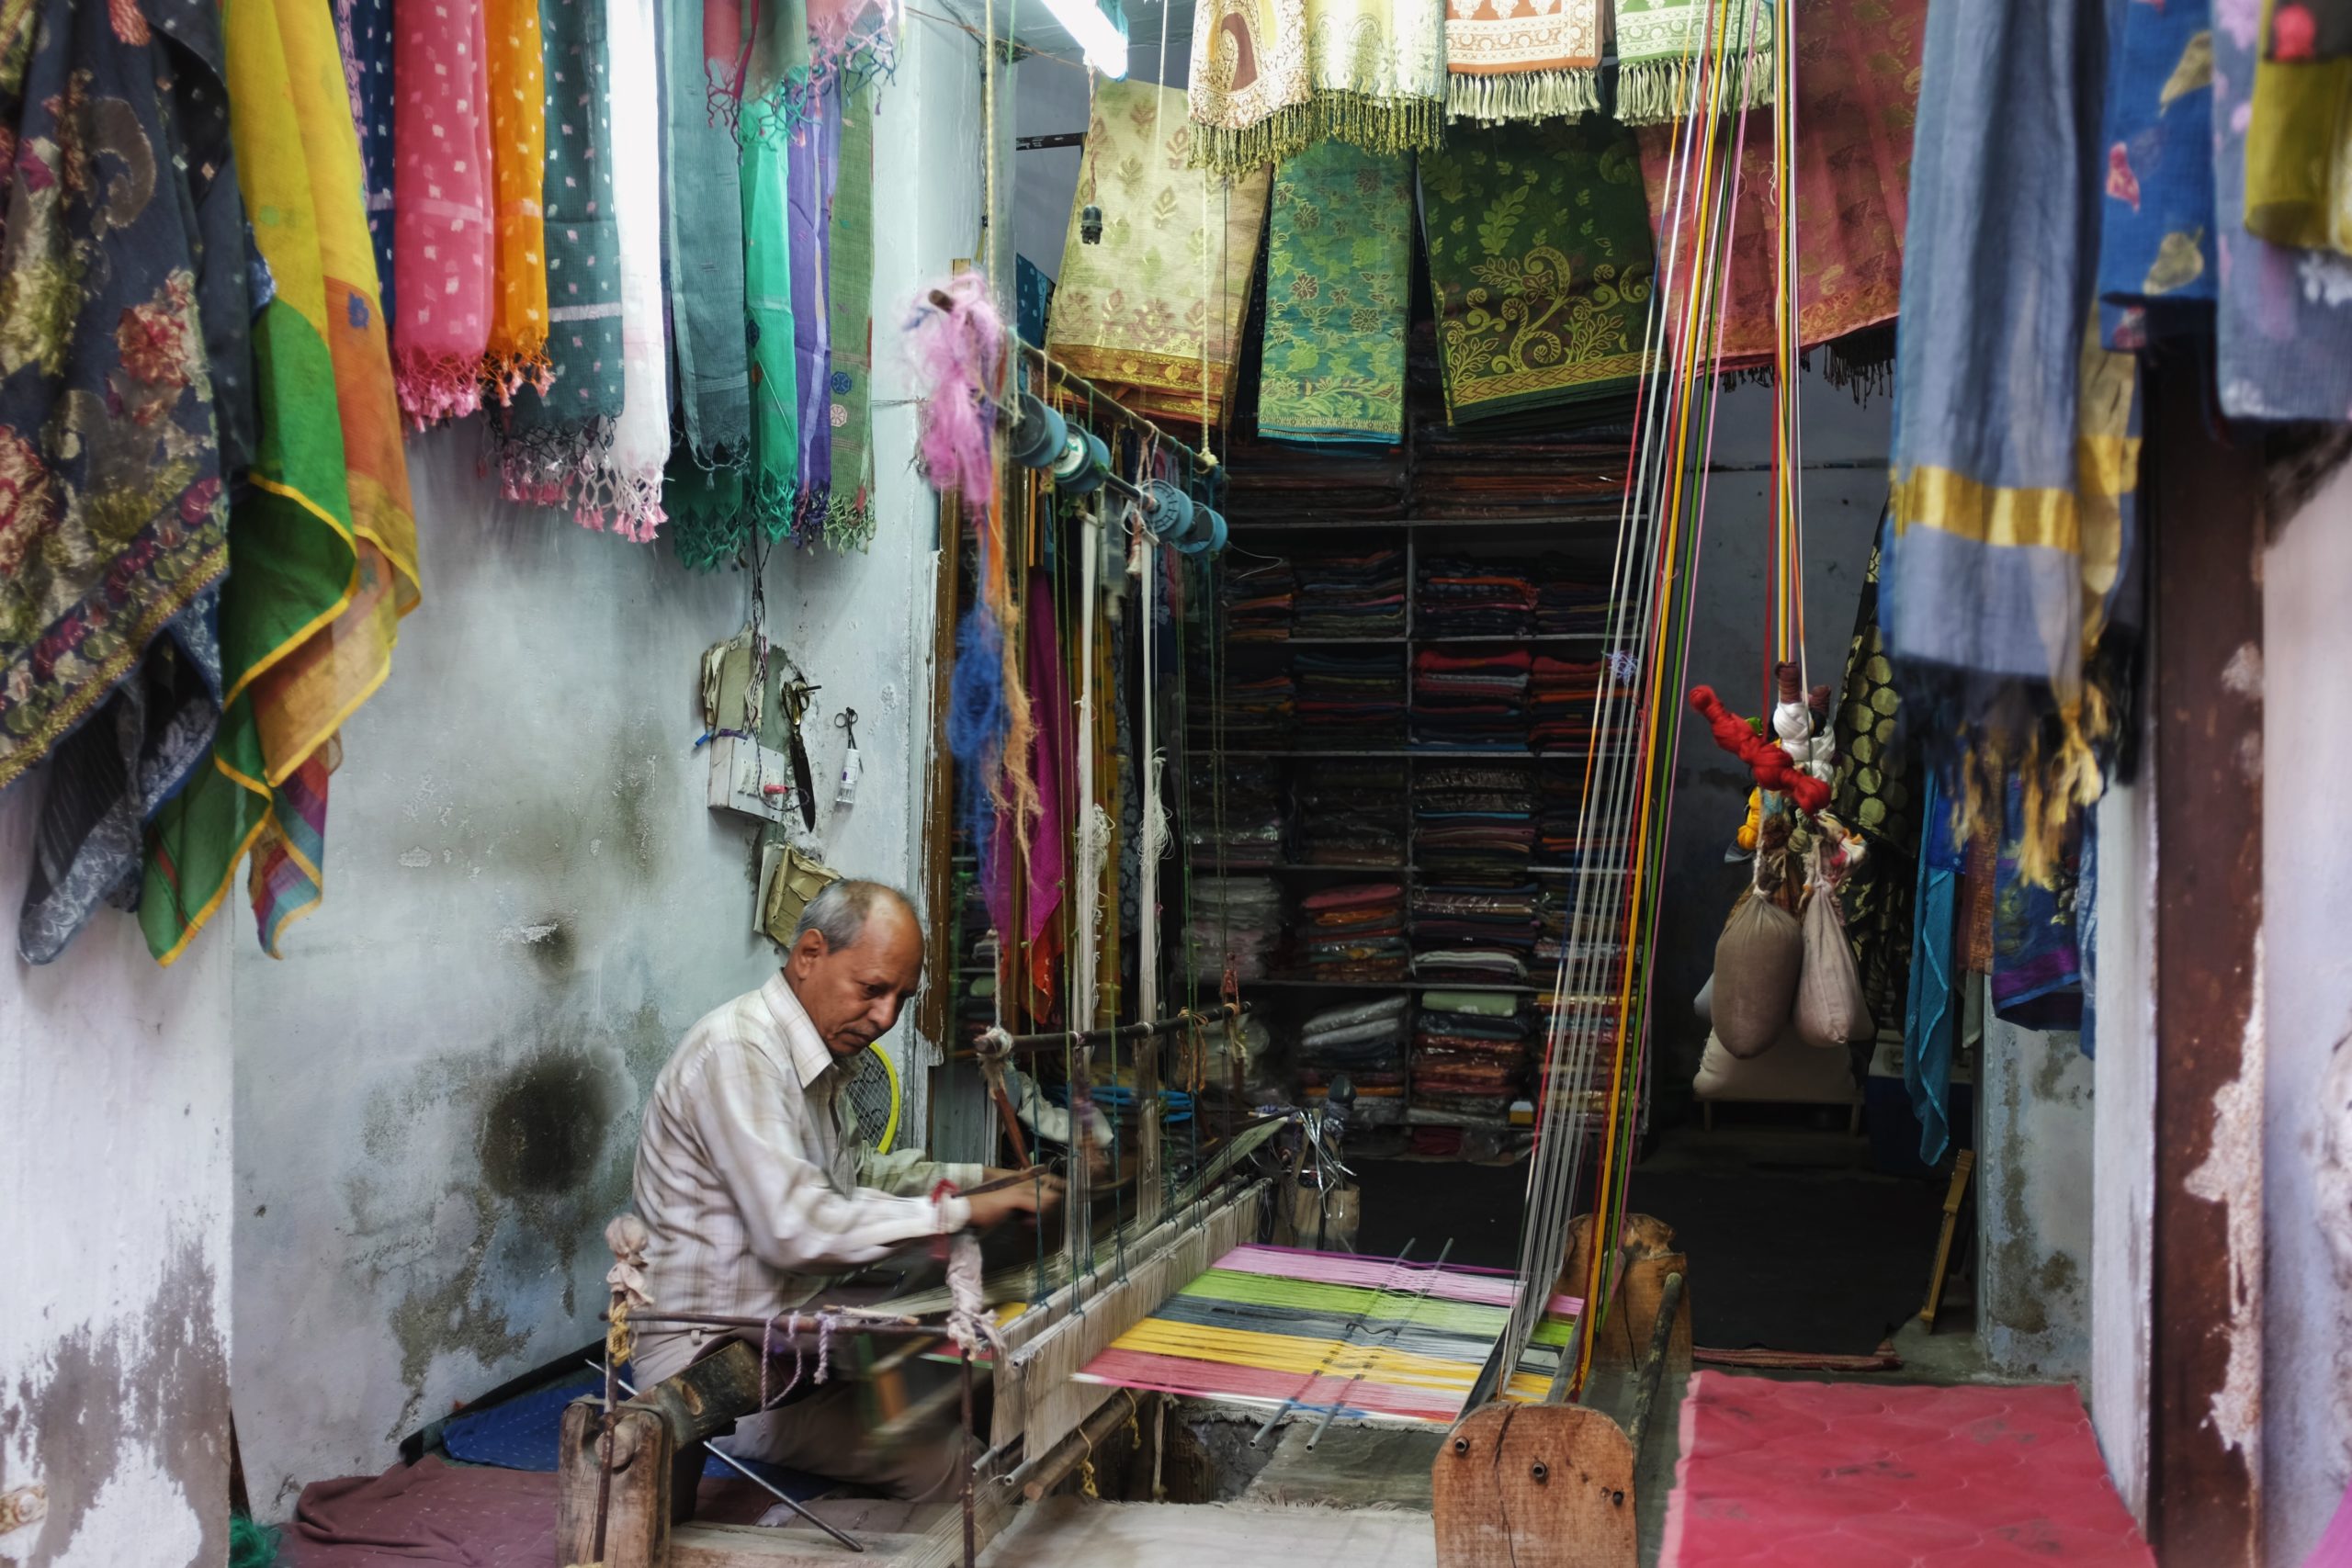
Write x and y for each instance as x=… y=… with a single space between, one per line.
x=1796 y=1474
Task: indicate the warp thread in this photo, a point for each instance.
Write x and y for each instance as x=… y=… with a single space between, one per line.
x=1765 y=760
x=959 y=357
x=968 y=1323
x=799 y=1354
x=978 y=725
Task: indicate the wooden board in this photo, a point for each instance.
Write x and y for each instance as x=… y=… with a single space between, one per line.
x=637 y=1531
x=1535 y=1486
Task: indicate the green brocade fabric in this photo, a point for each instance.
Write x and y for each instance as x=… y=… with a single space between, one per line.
x=849 y=517
x=1540 y=261
x=1338 y=279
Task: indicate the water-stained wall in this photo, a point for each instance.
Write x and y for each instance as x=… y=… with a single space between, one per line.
x=2034 y=1175
x=113 y=1221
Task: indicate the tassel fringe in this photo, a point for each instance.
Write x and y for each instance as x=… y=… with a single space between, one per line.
x=1526 y=95
x=1650 y=91
x=434 y=387
x=1377 y=125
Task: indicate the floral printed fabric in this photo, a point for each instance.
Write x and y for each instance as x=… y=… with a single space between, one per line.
x=1540 y=255
x=2157 y=242
x=441 y=237
x=1521 y=59
x=2299 y=144
x=1657 y=40
x=1272 y=78
x=1339 y=272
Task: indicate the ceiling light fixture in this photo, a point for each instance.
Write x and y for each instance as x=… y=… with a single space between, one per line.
x=1104 y=40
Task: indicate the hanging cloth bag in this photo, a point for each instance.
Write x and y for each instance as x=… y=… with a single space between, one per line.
x=1832 y=1010
x=1757 y=960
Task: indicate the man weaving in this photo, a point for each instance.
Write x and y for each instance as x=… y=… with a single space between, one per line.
x=759 y=1194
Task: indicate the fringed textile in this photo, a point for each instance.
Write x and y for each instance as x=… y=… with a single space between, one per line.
x=1521 y=59
x=1858 y=86
x=441 y=218
x=814 y=159
x=849 y=301
x=2298 y=140
x=2158 y=275
x=1163 y=298
x=773 y=480
x=1338 y=280
x=702 y=255
x=1877 y=793
x=519 y=100
x=120 y=292
x=1270 y=78
x=1659 y=40
x=631 y=485
x=2017 y=452
x=307 y=636
x=1540 y=259
x=2283 y=326
x=555 y=448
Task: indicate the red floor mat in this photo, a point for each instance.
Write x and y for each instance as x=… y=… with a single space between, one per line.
x=1860 y=1476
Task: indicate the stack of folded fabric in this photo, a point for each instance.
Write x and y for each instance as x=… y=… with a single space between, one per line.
x=1354 y=931
x=1473 y=702
x=1350 y=812
x=1364 y=1039
x=1290 y=483
x=1463 y=934
x=1256 y=598
x=1248 y=710
x=1469 y=1052
x=1473 y=825
x=1551 y=911
x=1563 y=694
x=1565 y=604
x=1559 y=813
x=1458 y=598
x=1564 y=461
x=1348 y=594
x=1351 y=700
x=1232 y=921
x=1235 y=814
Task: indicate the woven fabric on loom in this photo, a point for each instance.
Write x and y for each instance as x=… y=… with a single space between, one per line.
x=1381 y=1341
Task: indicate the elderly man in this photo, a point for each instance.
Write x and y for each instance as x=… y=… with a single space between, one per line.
x=758 y=1193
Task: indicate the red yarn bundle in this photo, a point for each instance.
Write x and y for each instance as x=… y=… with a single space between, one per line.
x=1764 y=758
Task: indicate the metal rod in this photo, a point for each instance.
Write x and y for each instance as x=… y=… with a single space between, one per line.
x=848 y=1321
x=1392 y=1330
x=1099 y=396
x=1048 y=1472
x=1669 y=1302
x=1031 y=1043
x=605 y=1463
x=739 y=1468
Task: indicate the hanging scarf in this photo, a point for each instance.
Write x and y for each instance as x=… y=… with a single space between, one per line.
x=2017 y=451
x=630 y=487
x=365 y=27
x=849 y=291
x=2156 y=245
x=1877 y=796
x=1272 y=78
x=814 y=157
x=1339 y=281
x=518 y=317
x=1932 y=1007
x=1521 y=59
x=555 y=448
x=2037 y=972
x=1128 y=312
x=2284 y=321
x=702 y=253
x=322 y=545
x=1858 y=74
x=124 y=274
x=441 y=234
x=769 y=489
x=1659 y=40
x=2298 y=140
x=1540 y=259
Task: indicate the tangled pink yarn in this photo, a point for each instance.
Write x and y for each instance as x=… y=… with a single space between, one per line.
x=958 y=354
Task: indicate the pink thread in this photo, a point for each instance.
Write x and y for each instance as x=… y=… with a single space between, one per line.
x=958 y=356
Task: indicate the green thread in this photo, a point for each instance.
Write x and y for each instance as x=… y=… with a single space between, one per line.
x=1377 y=125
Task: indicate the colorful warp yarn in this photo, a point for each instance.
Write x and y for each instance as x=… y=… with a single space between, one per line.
x=1541 y=258
x=1375 y=1340
x=1521 y=59
x=307 y=636
x=2015 y=455
x=1659 y=40
x=1272 y=78
x=1338 y=280
x=1153 y=313
x=114 y=437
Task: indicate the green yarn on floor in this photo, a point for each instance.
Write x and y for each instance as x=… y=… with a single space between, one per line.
x=251 y=1545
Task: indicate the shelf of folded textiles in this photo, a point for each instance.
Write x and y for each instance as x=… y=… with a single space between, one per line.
x=1488 y=753
x=1518 y=637
x=1392 y=867
x=1423 y=984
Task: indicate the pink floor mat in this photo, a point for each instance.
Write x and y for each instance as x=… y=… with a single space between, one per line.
x=1803 y=1475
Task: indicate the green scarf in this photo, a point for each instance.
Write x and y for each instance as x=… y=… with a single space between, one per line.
x=1339 y=274
x=849 y=518
x=1658 y=41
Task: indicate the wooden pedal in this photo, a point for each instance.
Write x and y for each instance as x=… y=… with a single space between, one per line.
x=1535 y=1486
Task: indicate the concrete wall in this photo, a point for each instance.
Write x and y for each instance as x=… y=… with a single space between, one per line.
x=2124 y=1179
x=528 y=901
x=2034 y=1180
x=114 y=1302
x=2307 y=1147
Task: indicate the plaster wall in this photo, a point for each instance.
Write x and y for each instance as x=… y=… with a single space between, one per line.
x=114 y=1305
x=2034 y=1178
x=2123 y=1187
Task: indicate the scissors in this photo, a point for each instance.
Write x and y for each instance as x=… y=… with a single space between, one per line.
x=847 y=719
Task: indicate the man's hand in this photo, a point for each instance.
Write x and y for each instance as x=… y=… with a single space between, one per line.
x=1034 y=1197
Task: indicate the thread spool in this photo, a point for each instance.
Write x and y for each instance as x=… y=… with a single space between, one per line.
x=1038 y=435
x=1207 y=533
x=1084 y=463
x=1168 y=515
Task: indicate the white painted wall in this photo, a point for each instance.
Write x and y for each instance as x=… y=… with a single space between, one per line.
x=113 y=1221
x=529 y=902
x=2124 y=1109
x=2306 y=1149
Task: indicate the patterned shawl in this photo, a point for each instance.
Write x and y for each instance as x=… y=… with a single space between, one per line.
x=518 y=316
x=630 y=486
x=322 y=545
x=2298 y=142
x=702 y=253
x=124 y=273
x=2017 y=451
x=2284 y=322
x=2156 y=243
x=1657 y=40
x=1521 y=59
x=849 y=291
x=1128 y=312
x=814 y=157
x=441 y=190
x=1339 y=283
x=554 y=447
x=1270 y=77
x=1858 y=73
x=1540 y=259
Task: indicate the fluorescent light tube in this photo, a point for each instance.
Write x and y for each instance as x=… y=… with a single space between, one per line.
x=1104 y=43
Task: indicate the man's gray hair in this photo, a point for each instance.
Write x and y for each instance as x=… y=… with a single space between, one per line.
x=839 y=912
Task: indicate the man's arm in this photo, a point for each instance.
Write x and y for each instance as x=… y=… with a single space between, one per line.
x=908 y=1173
x=792 y=1217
